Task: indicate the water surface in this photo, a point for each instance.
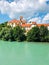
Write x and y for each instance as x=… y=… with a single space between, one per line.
x=24 y=53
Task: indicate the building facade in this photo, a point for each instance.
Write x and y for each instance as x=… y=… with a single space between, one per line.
x=24 y=24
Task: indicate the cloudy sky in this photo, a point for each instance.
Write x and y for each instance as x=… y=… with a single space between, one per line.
x=31 y=10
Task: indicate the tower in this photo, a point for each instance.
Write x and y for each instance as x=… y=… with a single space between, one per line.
x=21 y=17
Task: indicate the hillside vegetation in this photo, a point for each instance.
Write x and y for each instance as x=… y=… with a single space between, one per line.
x=36 y=34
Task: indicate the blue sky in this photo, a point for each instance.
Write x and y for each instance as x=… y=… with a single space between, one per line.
x=31 y=10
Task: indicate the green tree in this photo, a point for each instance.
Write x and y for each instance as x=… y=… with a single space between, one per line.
x=6 y=34
x=33 y=35
x=43 y=33
x=3 y=24
x=48 y=36
x=12 y=34
x=18 y=34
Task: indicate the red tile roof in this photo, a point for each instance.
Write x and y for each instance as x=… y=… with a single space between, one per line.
x=26 y=25
x=42 y=25
x=14 y=21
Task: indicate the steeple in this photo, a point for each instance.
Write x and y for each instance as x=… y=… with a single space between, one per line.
x=21 y=17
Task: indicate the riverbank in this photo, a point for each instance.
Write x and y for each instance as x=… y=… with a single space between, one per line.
x=24 y=42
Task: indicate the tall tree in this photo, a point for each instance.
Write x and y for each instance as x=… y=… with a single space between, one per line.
x=18 y=34
x=43 y=33
x=33 y=35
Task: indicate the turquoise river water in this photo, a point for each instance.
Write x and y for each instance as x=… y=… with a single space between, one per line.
x=24 y=53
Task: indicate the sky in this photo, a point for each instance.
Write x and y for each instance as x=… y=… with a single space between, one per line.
x=31 y=10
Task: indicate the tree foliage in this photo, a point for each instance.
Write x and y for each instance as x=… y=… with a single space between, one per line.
x=43 y=34
x=33 y=35
x=38 y=34
x=17 y=33
x=12 y=34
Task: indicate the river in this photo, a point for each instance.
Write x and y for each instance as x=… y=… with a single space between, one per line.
x=24 y=53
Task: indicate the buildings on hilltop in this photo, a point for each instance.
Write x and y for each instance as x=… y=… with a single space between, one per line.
x=23 y=23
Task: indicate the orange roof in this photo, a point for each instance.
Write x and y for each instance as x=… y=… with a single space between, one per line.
x=14 y=21
x=42 y=25
x=26 y=25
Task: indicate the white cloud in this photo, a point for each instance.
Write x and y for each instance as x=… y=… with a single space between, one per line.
x=36 y=19
x=46 y=18
x=42 y=1
x=27 y=8
x=40 y=20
